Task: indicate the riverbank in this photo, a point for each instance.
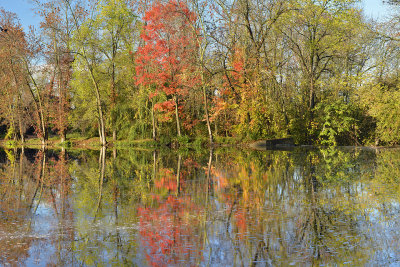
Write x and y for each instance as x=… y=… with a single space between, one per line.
x=81 y=142
x=92 y=143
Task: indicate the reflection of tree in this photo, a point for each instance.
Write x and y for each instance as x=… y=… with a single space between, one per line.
x=223 y=207
x=111 y=186
x=102 y=167
x=336 y=204
x=15 y=211
x=26 y=186
x=168 y=232
x=388 y=167
x=341 y=167
x=280 y=208
x=385 y=185
x=170 y=225
x=316 y=220
x=60 y=192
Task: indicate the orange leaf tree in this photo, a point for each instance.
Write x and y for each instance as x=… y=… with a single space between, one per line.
x=166 y=59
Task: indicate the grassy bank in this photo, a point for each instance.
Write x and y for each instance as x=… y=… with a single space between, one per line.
x=81 y=142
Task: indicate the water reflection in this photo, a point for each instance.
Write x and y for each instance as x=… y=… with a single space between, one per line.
x=222 y=207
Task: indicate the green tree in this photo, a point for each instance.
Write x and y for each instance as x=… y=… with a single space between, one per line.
x=317 y=32
x=86 y=65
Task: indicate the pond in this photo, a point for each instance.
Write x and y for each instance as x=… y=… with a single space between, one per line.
x=225 y=207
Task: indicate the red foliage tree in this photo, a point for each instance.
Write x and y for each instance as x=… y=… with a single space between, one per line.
x=166 y=60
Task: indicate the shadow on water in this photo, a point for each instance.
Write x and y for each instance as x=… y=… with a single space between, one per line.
x=219 y=207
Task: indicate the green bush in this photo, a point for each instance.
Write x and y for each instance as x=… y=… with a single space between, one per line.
x=199 y=142
x=383 y=104
x=299 y=129
x=164 y=139
x=337 y=123
x=183 y=140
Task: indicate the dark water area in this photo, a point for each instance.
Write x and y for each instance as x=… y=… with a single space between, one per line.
x=220 y=208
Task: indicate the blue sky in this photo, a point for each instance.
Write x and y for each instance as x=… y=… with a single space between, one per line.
x=24 y=10
x=373 y=8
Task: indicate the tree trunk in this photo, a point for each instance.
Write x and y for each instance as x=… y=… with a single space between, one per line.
x=19 y=109
x=153 y=121
x=38 y=103
x=178 y=174
x=63 y=137
x=312 y=94
x=178 y=127
x=102 y=168
x=113 y=92
x=311 y=107
x=21 y=131
x=61 y=124
x=103 y=140
x=210 y=136
x=114 y=133
x=209 y=180
x=102 y=130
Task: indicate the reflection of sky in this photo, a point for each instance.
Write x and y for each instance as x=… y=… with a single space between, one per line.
x=375 y=9
x=43 y=226
x=24 y=9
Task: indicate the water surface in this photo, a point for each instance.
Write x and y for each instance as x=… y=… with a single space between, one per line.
x=219 y=208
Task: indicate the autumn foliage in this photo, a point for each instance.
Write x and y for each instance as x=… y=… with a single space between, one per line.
x=167 y=233
x=166 y=60
x=176 y=71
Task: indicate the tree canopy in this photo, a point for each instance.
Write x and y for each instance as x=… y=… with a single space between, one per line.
x=318 y=71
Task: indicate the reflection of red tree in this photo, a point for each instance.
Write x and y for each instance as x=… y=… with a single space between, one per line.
x=220 y=179
x=241 y=222
x=167 y=180
x=168 y=232
x=241 y=189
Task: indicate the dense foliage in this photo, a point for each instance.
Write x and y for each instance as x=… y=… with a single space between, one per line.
x=316 y=70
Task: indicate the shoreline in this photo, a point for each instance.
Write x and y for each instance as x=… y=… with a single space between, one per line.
x=93 y=144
